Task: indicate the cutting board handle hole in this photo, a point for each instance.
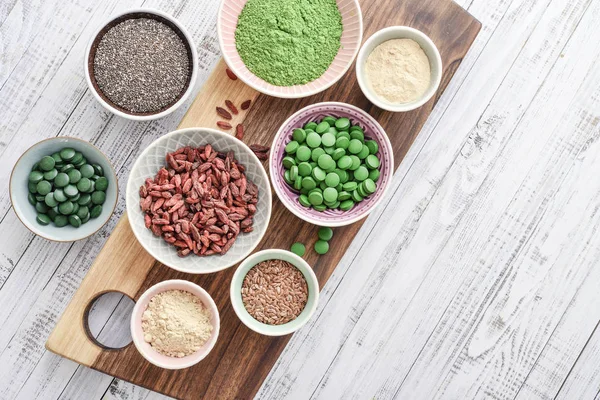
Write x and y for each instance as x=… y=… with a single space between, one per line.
x=106 y=320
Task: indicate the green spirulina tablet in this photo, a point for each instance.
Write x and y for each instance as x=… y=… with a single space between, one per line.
x=32 y=186
x=311 y=125
x=304 y=169
x=67 y=154
x=47 y=163
x=345 y=162
x=298 y=249
x=98 y=169
x=288 y=162
x=59 y=195
x=350 y=186
x=293 y=173
x=325 y=233
x=343 y=195
x=43 y=219
x=84 y=200
x=322 y=127
x=96 y=211
x=372 y=161
x=57 y=158
x=75 y=221
x=369 y=186
x=299 y=135
x=318 y=174
x=361 y=173
x=342 y=124
x=321 y=247
x=356 y=196
x=98 y=197
x=75 y=198
x=291 y=147
x=330 y=120
x=363 y=153
x=332 y=179
x=315 y=198
x=313 y=140
x=52 y=214
x=355 y=163
x=66 y=207
x=356 y=128
x=66 y=168
x=77 y=158
x=50 y=200
x=31 y=198
x=303 y=200
x=35 y=176
x=374 y=175
x=85 y=219
x=326 y=162
x=61 y=180
x=298 y=183
x=328 y=139
x=316 y=153
x=87 y=171
x=373 y=146
x=82 y=212
x=286 y=178
x=61 y=220
x=39 y=197
x=70 y=190
x=50 y=175
x=330 y=195
x=343 y=134
x=338 y=153
x=320 y=207
x=346 y=205
x=308 y=183
x=358 y=135
x=329 y=150
x=41 y=207
x=84 y=185
x=74 y=176
x=43 y=188
x=355 y=146
x=303 y=153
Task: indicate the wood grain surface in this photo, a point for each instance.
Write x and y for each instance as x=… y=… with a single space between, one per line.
x=241 y=360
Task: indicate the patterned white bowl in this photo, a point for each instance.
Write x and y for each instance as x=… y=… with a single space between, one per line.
x=351 y=41
x=153 y=158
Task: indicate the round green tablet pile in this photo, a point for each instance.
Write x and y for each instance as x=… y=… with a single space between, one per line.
x=66 y=190
x=331 y=164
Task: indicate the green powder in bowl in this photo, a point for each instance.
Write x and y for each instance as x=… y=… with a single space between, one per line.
x=289 y=42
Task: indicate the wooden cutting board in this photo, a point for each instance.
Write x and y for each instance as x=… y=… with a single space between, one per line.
x=241 y=359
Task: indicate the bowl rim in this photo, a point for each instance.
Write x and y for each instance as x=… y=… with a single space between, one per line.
x=284 y=199
x=39 y=233
x=257 y=326
x=400 y=31
x=293 y=95
x=193 y=77
x=264 y=176
x=163 y=286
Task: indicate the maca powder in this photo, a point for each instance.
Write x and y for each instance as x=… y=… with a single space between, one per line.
x=289 y=42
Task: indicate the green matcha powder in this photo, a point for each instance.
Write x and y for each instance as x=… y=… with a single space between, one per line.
x=289 y=42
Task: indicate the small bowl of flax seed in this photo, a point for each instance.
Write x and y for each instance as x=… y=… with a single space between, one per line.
x=274 y=292
x=141 y=64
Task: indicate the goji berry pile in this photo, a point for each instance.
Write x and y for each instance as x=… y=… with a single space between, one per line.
x=200 y=202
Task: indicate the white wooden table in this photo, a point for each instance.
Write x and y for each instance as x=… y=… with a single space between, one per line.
x=477 y=279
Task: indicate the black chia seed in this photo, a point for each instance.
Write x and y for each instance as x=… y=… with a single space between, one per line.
x=142 y=65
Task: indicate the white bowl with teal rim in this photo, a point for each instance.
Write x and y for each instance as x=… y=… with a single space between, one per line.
x=266 y=329
x=27 y=213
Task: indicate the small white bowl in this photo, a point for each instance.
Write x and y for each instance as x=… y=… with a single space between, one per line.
x=26 y=212
x=266 y=329
x=399 y=32
x=153 y=158
x=146 y=350
x=132 y=14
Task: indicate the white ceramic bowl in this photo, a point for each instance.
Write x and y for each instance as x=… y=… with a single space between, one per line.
x=146 y=350
x=274 y=330
x=351 y=39
x=153 y=158
x=27 y=213
x=399 y=32
x=140 y=13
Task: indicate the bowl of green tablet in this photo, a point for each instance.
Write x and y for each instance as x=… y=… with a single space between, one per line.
x=331 y=164
x=63 y=189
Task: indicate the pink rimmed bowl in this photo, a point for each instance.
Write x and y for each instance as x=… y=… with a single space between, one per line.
x=137 y=332
x=350 y=44
x=289 y=196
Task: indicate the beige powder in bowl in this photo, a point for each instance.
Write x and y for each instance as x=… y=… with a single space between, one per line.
x=398 y=71
x=176 y=323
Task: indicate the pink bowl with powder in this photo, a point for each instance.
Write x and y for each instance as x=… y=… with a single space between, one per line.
x=350 y=44
x=289 y=196
x=152 y=355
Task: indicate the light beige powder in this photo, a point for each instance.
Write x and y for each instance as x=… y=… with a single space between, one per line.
x=176 y=323
x=398 y=71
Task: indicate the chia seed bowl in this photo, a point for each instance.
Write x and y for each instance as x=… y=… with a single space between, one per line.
x=184 y=85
